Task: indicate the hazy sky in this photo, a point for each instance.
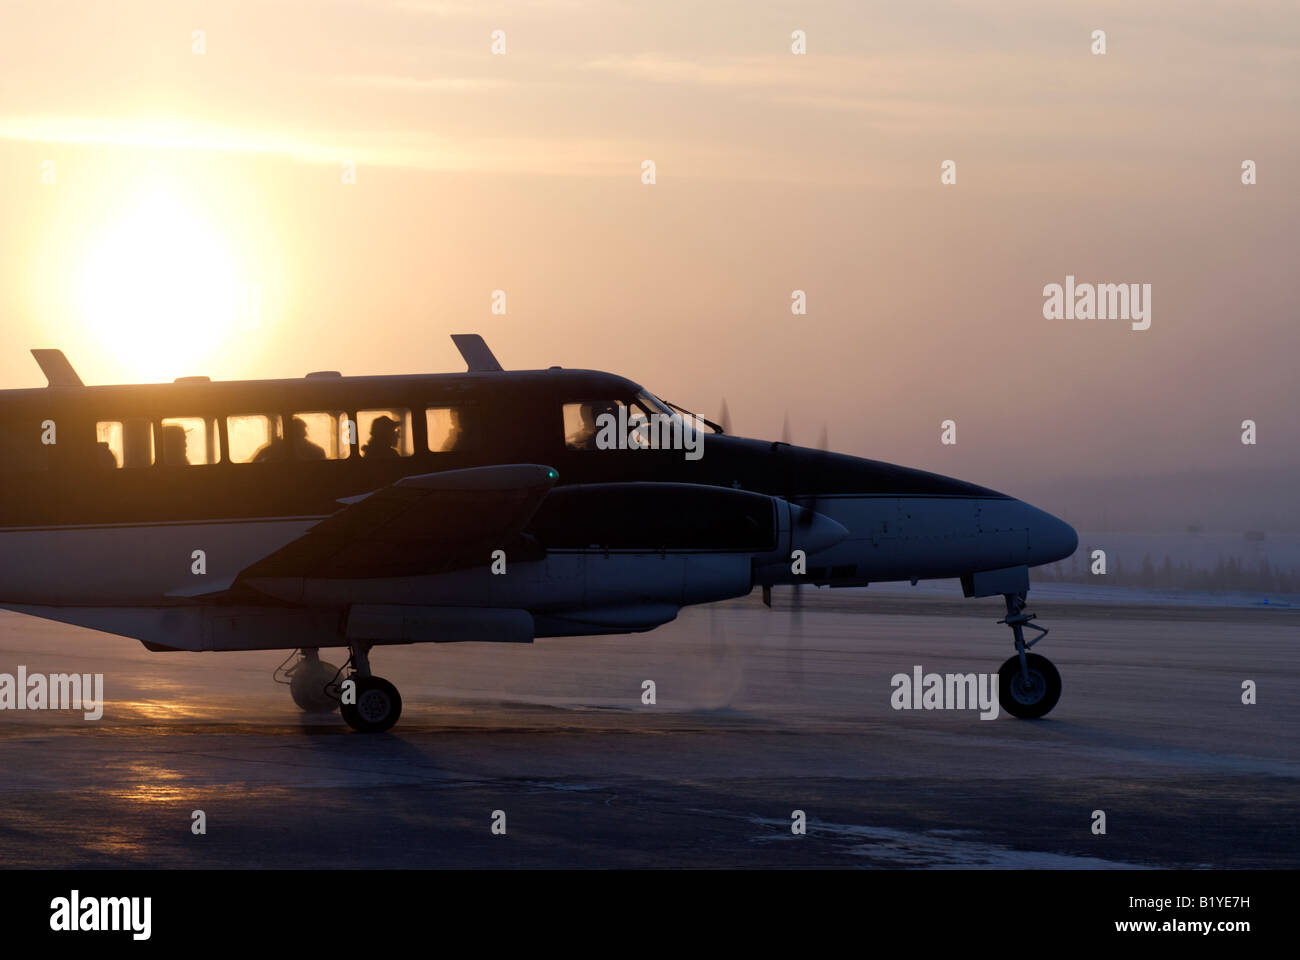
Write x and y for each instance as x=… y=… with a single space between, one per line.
x=145 y=189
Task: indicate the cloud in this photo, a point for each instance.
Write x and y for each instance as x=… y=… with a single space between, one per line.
x=157 y=133
x=411 y=149
x=392 y=82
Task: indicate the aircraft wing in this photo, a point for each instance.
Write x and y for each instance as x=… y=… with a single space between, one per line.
x=423 y=524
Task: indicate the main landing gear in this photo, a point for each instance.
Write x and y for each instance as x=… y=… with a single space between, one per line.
x=368 y=703
x=373 y=704
x=310 y=679
x=1028 y=684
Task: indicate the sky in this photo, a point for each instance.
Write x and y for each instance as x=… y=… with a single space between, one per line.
x=341 y=185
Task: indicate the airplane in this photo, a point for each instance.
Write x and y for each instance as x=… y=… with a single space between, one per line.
x=490 y=505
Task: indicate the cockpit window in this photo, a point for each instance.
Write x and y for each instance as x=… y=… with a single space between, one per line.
x=593 y=424
x=653 y=404
x=694 y=420
x=646 y=423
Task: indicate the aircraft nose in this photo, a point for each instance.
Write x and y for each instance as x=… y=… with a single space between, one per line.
x=1050 y=538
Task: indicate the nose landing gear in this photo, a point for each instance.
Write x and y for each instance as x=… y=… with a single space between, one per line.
x=1028 y=684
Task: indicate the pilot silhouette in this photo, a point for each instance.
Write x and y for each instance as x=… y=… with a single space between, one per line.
x=384 y=435
x=585 y=437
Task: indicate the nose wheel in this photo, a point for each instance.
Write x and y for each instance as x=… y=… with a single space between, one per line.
x=1028 y=684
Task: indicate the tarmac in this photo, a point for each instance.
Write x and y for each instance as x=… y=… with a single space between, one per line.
x=757 y=714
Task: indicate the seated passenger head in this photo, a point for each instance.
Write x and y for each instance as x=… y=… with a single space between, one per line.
x=297 y=429
x=174 y=444
x=384 y=430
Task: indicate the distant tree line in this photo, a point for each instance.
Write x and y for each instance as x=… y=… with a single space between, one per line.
x=1228 y=575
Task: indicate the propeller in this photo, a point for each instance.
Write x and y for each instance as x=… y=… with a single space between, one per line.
x=812 y=504
x=794 y=642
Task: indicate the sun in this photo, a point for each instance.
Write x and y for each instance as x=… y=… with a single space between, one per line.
x=160 y=290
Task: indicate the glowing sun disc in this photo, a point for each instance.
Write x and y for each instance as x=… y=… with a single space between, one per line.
x=160 y=290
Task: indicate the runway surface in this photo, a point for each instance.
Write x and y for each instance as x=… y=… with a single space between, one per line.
x=759 y=713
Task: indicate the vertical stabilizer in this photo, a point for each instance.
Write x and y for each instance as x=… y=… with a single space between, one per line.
x=56 y=368
x=476 y=353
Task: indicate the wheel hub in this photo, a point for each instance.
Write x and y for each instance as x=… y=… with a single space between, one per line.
x=1028 y=690
x=373 y=705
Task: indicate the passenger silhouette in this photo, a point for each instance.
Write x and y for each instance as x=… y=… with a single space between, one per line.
x=105 y=457
x=274 y=449
x=384 y=435
x=452 y=440
x=295 y=444
x=174 y=446
x=303 y=448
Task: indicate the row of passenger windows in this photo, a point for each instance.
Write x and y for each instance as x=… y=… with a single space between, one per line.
x=375 y=434
x=262 y=438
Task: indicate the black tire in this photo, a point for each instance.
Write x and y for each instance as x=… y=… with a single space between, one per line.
x=1032 y=701
x=307 y=686
x=377 y=707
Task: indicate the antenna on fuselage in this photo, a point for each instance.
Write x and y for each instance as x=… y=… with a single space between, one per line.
x=56 y=368
x=478 y=356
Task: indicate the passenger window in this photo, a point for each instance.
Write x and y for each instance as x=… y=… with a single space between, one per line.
x=21 y=449
x=445 y=429
x=319 y=435
x=124 y=443
x=254 y=437
x=387 y=433
x=110 y=446
x=190 y=441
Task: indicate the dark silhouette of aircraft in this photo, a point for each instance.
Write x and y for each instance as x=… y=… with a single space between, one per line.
x=481 y=507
